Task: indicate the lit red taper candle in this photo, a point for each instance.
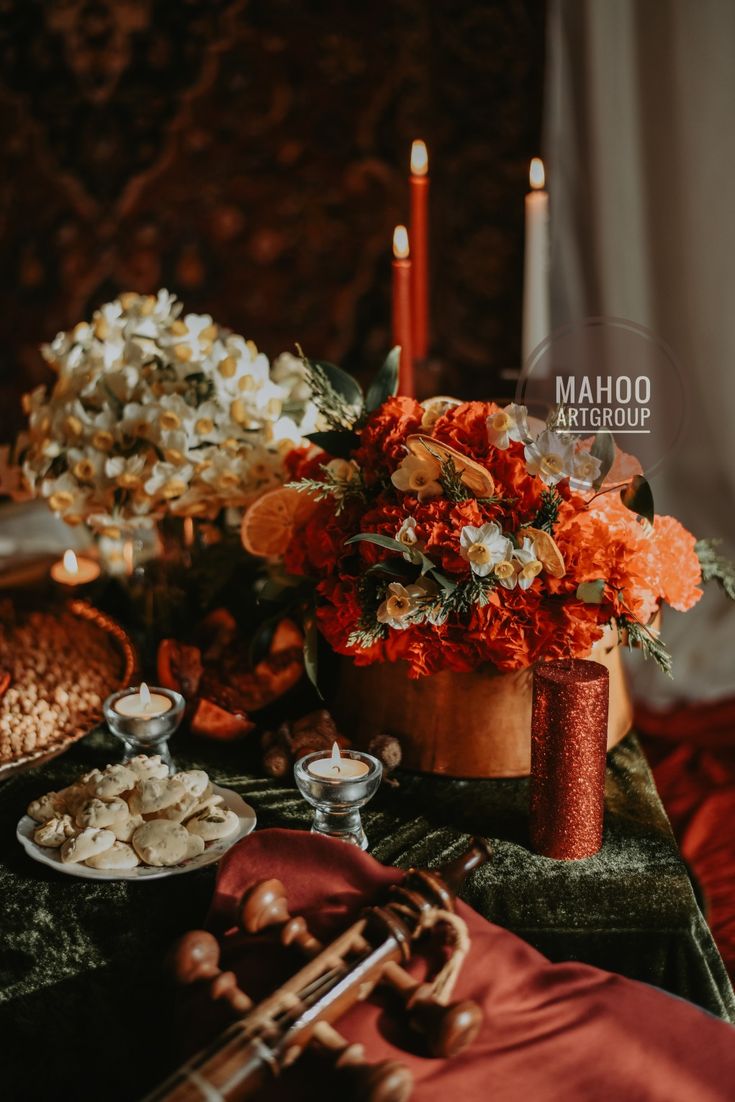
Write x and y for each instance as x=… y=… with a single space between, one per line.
x=568 y=757
x=420 y=249
x=402 y=309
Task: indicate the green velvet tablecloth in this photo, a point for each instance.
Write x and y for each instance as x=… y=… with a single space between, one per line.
x=84 y=1009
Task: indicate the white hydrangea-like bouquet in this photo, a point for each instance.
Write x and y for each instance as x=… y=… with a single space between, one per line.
x=157 y=413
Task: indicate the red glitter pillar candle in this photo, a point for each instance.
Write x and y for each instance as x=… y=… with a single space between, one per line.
x=568 y=748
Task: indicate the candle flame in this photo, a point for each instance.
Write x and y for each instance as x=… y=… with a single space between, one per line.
x=400 y=243
x=145 y=696
x=419 y=159
x=336 y=757
x=71 y=563
x=536 y=174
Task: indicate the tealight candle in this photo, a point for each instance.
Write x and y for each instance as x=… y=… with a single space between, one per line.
x=145 y=720
x=143 y=704
x=75 y=570
x=337 y=786
x=337 y=768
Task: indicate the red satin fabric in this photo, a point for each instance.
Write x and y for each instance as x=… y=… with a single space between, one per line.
x=551 y=1031
x=692 y=751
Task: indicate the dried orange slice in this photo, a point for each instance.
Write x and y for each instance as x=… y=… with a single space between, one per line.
x=270 y=522
x=473 y=475
x=549 y=554
x=434 y=408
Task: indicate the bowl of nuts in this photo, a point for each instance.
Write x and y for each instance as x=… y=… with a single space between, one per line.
x=56 y=668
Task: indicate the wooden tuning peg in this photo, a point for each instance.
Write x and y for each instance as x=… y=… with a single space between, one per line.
x=265 y=905
x=447 y=1028
x=388 y=1081
x=195 y=958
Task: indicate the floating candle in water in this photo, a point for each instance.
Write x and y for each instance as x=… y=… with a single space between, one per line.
x=143 y=704
x=75 y=571
x=337 y=768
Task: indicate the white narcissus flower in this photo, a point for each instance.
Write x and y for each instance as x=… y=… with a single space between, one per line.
x=508 y=424
x=529 y=565
x=400 y=605
x=126 y=473
x=175 y=447
x=585 y=470
x=418 y=474
x=506 y=573
x=168 y=480
x=406 y=535
x=142 y=399
x=484 y=547
x=67 y=498
x=228 y=474
x=86 y=464
x=550 y=456
x=344 y=470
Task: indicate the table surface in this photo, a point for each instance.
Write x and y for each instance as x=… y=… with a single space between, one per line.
x=80 y=961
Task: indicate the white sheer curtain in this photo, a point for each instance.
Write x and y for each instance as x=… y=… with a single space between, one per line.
x=640 y=142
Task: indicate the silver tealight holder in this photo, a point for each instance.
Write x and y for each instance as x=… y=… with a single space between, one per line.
x=144 y=720
x=337 y=785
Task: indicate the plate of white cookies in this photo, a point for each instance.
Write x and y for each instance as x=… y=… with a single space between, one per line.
x=134 y=821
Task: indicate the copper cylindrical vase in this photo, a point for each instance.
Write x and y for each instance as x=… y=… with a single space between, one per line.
x=568 y=751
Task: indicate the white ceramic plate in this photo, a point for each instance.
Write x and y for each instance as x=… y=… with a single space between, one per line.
x=212 y=852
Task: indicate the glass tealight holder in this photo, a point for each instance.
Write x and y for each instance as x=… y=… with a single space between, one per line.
x=141 y=733
x=337 y=800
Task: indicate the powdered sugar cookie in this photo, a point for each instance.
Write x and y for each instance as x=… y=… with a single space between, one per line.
x=102 y=813
x=195 y=781
x=181 y=810
x=161 y=842
x=86 y=844
x=147 y=767
x=124 y=829
x=54 y=832
x=206 y=803
x=213 y=823
x=45 y=807
x=118 y=856
x=194 y=846
x=115 y=780
x=152 y=796
x=73 y=797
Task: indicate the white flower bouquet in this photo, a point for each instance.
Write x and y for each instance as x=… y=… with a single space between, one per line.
x=154 y=413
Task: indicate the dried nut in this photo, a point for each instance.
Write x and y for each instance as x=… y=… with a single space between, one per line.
x=387 y=749
x=319 y=721
x=306 y=742
x=277 y=762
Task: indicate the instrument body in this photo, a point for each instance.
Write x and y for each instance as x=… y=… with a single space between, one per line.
x=268 y=1038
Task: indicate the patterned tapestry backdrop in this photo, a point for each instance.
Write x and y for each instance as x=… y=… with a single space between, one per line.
x=252 y=157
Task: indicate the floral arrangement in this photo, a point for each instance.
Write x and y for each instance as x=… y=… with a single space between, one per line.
x=452 y=534
x=154 y=412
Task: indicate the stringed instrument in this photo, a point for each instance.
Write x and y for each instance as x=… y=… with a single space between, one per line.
x=269 y=1037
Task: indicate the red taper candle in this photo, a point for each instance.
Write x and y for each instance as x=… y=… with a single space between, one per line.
x=420 y=249
x=568 y=749
x=402 y=309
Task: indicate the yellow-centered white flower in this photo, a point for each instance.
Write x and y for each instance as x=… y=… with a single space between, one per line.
x=400 y=605
x=419 y=475
x=483 y=548
x=529 y=566
x=550 y=457
x=508 y=424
